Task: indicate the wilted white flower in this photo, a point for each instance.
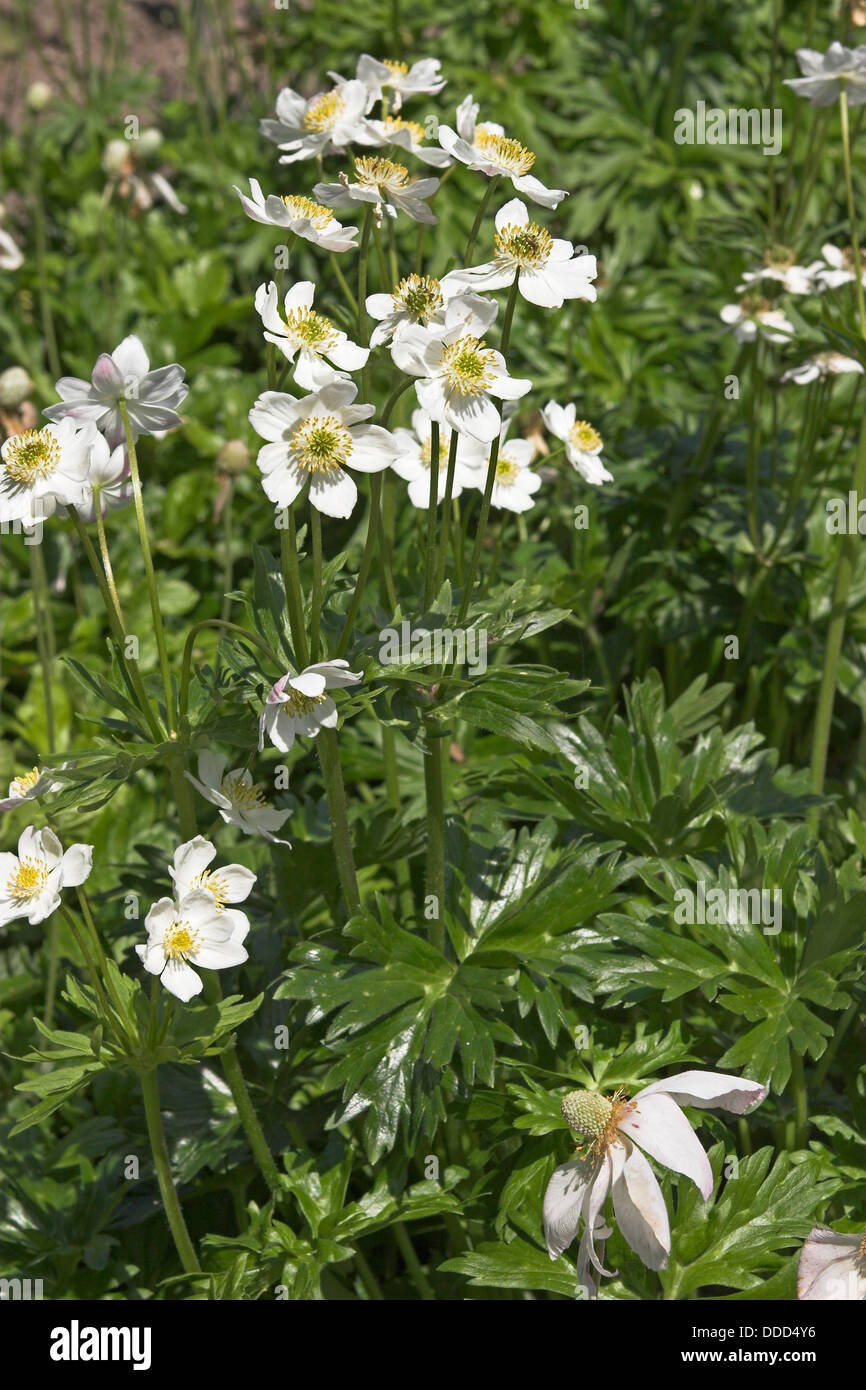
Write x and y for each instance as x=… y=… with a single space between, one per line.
x=237 y=797
x=487 y=148
x=42 y=470
x=180 y=935
x=27 y=787
x=425 y=301
x=422 y=79
x=408 y=135
x=328 y=121
x=231 y=883
x=414 y=457
x=821 y=365
x=460 y=374
x=755 y=317
x=125 y=163
x=824 y=73
x=307 y=336
x=515 y=484
x=779 y=265
x=547 y=270
x=314 y=440
x=832 y=1266
x=835 y=269
x=31 y=881
x=300 y=215
x=582 y=442
x=297 y=706
x=151 y=397
x=613 y=1132
x=384 y=183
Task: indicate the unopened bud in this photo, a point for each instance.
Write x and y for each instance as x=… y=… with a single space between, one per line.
x=149 y=141
x=15 y=387
x=116 y=157
x=39 y=95
x=233 y=457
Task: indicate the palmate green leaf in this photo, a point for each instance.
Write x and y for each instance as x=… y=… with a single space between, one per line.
x=516 y=1265
x=759 y=1211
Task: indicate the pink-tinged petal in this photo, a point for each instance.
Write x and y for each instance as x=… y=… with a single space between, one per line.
x=107 y=378
x=563 y=1203
x=709 y=1090
x=827 y=1268
x=662 y=1130
x=640 y=1210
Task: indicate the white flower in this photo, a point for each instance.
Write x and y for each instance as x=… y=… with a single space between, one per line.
x=836 y=268
x=820 y=366
x=459 y=375
x=486 y=147
x=237 y=797
x=547 y=270
x=824 y=73
x=755 y=317
x=230 y=884
x=298 y=706
x=10 y=254
x=151 y=397
x=191 y=931
x=422 y=79
x=428 y=302
x=384 y=183
x=32 y=880
x=582 y=443
x=27 y=787
x=300 y=215
x=307 y=335
x=42 y=470
x=779 y=266
x=414 y=459
x=407 y=135
x=328 y=121
x=515 y=483
x=611 y=1130
x=313 y=440
x=108 y=479
x=832 y=1266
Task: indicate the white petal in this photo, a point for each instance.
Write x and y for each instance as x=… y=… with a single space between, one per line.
x=662 y=1130
x=709 y=1090
x=640 y=1210
x=563 y=1202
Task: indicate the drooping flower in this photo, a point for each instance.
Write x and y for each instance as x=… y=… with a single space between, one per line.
x=408 y=135
x=298 y=706
x=27 y=787
x=42 y=470
x=181 y=935
x=755 y=317
x=836 y=268
x=392 y=75
x=305 y=337
x=613 y=1131
x=314 y=440
x=582 y=442
x=515 y=483
x=231 y=883
x=414 y=459
x=126 y=164
x=823 y=364
x=151 y=397
x=425 y=301
x=108 y=482
x=779 y=265
x=385 y=184
x=459 y=375
x=328 y=121
x=31 y=881
x=832 y=1266
x=487 y=148
x=547 y=270
x=824 y=74
x=300 y=215
x=237 y=797
x=10 y=253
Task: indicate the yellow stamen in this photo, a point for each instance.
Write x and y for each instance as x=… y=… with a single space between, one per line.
x=396 y=67
x=25 y=783
x=583 y=436
x=210 y=879
x=28 y=880
x=321 y=444
x=299 y=703
x=299 y=206
x=381 y=172
x=419 y=295
x=312 y=329
x=244 y=796
x=181 y=940
x=393 y=124
x=530 y=246
x=325 y=111
x=32 y=455
x=467 y=366
x=506 y=471
x=513 y=156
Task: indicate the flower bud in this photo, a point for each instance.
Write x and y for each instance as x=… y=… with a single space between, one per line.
x=15 y=387
x=586 y=1113
x=39 y=95
x=233 y=457
x=149 y=141
x=116 y=157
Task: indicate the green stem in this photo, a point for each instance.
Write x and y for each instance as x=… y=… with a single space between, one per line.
x=433 y=493
x=479 y=216
x=156 y=612
x=329 y=760
x=413 y=1264
x=852 y=216
x=366 y=562
x=801 y=1101
x=343 y=283
x=292 y=586
x=446 y=510
x=316 y=604
x=44 y=636
x=186 y=665
x=434 y=788
x=159 y=1149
